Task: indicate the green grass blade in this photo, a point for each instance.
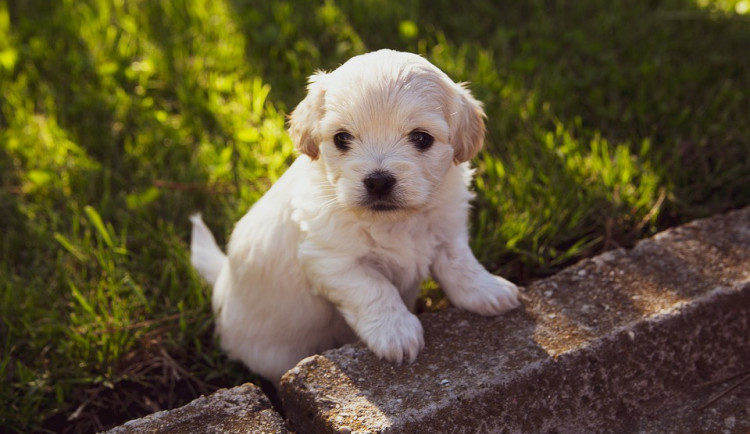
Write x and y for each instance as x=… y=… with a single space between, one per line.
x=81 y=299
x=67 y=245
x=101 y=229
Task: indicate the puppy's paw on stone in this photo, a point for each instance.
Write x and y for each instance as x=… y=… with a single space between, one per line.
x=397 y=338
x=488 y=295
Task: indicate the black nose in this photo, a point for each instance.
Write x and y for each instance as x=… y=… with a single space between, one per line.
x=379 y=184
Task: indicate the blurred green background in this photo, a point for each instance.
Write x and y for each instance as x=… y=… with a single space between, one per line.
x=607 y=121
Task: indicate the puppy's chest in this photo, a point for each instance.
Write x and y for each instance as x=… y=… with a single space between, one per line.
x=402 y=255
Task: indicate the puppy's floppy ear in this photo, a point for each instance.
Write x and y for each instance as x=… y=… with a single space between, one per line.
x=303 y=122
x=466 y=122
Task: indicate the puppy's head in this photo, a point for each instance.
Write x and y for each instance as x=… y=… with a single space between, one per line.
x=386 y=127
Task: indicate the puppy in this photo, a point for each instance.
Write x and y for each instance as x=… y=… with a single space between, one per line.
x=377 y=201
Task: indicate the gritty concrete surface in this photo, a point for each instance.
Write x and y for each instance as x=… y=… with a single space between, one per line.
x=654 y=339
x=241 y=409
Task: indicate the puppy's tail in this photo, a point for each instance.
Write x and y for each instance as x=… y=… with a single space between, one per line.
x=205 y=254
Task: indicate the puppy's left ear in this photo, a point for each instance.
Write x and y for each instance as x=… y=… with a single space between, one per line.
x=303 y=122
x=466 y=122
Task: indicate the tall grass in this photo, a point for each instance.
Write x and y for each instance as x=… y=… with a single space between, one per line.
x=607 y=122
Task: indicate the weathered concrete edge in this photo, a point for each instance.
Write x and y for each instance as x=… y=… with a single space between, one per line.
x=240 y=409
x=551 y=394
x=636 y=367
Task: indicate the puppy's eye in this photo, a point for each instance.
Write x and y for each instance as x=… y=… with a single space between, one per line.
x=421 y=140
x=342 y=140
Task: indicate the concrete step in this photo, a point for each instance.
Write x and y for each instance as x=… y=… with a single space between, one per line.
x=241 y=409
x=654 y=339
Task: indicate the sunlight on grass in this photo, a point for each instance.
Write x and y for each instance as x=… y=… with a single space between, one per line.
x=133 y=104
x=582 y=180
x=118 y=119
x=740 y=7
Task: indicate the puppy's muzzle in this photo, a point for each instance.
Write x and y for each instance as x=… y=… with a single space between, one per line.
x=379 y=185
x=379 y=189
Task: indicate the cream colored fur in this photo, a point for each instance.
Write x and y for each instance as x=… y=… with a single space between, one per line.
x=320 y=260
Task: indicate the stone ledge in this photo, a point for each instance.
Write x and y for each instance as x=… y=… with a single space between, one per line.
x=241 y=409
x=626 y=341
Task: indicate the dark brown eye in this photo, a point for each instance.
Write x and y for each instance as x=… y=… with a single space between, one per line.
x=342 y=140
x=421 y=140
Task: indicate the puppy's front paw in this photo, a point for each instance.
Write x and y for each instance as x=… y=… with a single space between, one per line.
x=488 y=295
x=396 y=338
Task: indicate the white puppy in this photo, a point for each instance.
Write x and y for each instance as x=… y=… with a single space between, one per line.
x=377 y=202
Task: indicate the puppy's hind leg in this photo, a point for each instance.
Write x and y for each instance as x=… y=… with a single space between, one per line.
x=205 y=254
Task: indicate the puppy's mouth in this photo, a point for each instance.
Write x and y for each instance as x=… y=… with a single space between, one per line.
x=384 y=207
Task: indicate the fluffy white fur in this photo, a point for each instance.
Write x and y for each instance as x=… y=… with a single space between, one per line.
x=320 y=260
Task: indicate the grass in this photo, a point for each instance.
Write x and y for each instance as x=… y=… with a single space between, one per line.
x=607 y=122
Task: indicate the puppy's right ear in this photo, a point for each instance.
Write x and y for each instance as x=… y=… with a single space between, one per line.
x=304 y=120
